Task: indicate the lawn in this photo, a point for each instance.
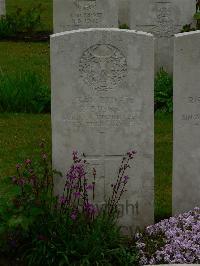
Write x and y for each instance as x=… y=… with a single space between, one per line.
x=20 y=134
x=47 y=10
x=24 y=56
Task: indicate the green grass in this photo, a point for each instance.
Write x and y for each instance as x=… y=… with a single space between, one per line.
x=20 y=133
x=47 y=13
x=163 y=165
x=22 y=56
x=19 y=136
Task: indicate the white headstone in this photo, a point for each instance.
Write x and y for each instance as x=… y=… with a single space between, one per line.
x=186 y=160
x=163 y=18
x=2 y=7
x=80 y=14
x=102 y=105
x=174 y=265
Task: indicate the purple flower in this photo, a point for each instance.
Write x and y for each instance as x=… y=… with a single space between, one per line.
x=62 y=200
x=131 y=154
x=31 y=170
x=77 y=194
x=28 y=161
x=18 y=166
x=74 y=215
x=90 y=208
x=14 y=179
x=126 y=178
x=21 y=182
x=174 y=240
x=90 y=187
x=75 y=155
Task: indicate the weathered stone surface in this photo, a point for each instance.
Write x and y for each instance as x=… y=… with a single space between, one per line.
x=79 y=14
x=102 y=105
x=186 y=161
x=174 y=265
x=2 y=7
x=124 y=12
x=163 y=18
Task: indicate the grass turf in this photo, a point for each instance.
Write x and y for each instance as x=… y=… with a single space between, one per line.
x=20 y=133
x=24 y=56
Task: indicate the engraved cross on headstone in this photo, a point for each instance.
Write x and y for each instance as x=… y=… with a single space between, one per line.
x=102 y=158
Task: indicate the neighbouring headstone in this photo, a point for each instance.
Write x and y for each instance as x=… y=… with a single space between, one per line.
x=175 y=265
x=102 y=105
x=79 y=14
x=2 y=7
x=163 y=18
x=186 y=159
x=123 y=12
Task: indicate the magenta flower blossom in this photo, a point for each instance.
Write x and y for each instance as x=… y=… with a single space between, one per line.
x=62 y=200
x=74 y=215
x=77 y=194
x=28 y=161
x=18 y=166
x=21 y=182
x=126 y=178
x=90 y=208
x=90 y=187
x=131 y=154
x=75 y=155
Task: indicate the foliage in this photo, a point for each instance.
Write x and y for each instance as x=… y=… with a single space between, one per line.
x=124 y=26
x=174 y=240
x=67 y=229
x=187 y=28
x=21 y=22
x=163 y=91
x=197 y=18
x=23 y=92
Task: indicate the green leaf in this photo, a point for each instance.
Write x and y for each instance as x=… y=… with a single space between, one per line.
x=197 y=16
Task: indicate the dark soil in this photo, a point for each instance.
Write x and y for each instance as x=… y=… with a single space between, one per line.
x=34 y=37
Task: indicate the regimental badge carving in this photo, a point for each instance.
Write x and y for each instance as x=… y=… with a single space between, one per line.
x=164 y=23
x=102 y=67
x=86 y=14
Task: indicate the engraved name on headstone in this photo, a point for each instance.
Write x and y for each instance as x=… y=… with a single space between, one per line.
x=78 y=14
x=102 y=105
x=186 y=159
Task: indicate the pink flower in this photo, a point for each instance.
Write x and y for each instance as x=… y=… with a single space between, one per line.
x=75 y=155
x=126 y=178
x=28 y=161
x=74 y=215
x=77 y=194
x=90 y=187
x=62 y=200
x=18 y=166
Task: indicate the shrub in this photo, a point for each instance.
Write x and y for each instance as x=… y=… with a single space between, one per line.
x=20 y=21
x=187 y=28
x=174 y=240
x=23 y=92
x=68 y=229
x=163 y=91
x=124 y=26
